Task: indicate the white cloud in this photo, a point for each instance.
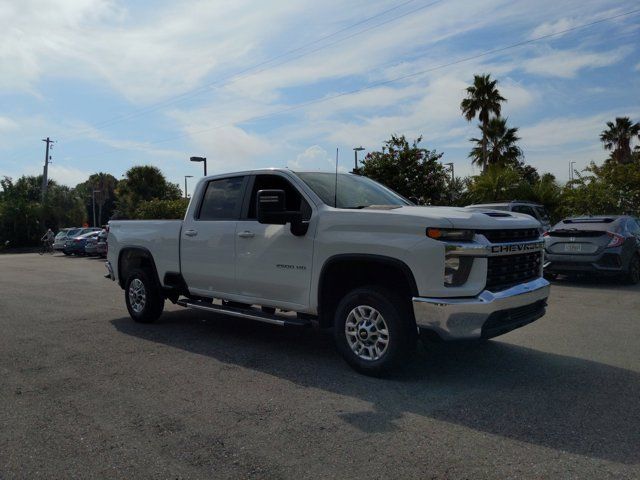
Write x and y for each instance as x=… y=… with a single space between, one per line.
x=567 y=63
x=313 y=158
x=64 y=175
x=551 y=133
x=553 y=27
x=7 y=124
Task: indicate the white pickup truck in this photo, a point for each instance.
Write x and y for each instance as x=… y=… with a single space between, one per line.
x=341 y=250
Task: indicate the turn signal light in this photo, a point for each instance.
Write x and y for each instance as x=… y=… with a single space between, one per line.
x=450 y=234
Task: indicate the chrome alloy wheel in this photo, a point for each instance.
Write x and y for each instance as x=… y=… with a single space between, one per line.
x=137 y=295
x=367 y=333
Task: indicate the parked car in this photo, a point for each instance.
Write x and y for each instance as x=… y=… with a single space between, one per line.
x=341 y=250
x=101 y=246
x=608 y=245
x=63 y=236
x=534 y=210
x=91 y=245
x=75 y=245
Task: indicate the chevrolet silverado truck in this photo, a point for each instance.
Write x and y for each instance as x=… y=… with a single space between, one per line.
x=341 y=250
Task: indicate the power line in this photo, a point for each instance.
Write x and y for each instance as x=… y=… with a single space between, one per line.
x=393 y=80
x=244 y=72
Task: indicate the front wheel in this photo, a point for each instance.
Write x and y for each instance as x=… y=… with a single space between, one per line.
x=143 y=297
x=373 y=330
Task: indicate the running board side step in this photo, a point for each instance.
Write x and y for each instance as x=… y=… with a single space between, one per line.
x=250 y=313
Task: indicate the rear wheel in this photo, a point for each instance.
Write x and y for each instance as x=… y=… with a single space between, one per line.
x=633 y=273
x=372 y=330
x=143 y=297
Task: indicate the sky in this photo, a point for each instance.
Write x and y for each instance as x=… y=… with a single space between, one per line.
x=251 y=84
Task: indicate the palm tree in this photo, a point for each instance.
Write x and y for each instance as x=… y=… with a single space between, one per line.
x=617 y=137
x=497 y=145
x=483 y=99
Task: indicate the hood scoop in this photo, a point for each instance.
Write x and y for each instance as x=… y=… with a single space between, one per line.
x=497 y=214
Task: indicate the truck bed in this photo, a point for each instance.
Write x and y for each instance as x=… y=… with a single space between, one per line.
x=160 y=237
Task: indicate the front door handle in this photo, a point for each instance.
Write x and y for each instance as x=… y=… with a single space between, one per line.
x=246 y=234
x=191 y=233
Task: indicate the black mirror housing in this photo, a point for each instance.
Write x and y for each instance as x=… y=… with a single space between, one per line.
x=271 y=207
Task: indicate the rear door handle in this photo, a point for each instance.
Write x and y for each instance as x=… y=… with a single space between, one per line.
x=246 y=234
x=191 y=233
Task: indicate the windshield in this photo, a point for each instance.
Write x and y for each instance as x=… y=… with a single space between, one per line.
x=353 y=191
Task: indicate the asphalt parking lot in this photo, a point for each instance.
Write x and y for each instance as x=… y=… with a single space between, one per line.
x=87 y=393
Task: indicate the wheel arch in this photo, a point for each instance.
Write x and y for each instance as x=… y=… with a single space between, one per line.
x=130 y=258
x=344 y=272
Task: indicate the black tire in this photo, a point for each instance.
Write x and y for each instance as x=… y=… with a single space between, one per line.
x=149 y=308
x=633 y=273
x=401 y=338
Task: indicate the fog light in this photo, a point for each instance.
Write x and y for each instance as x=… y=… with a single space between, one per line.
x=456 y=270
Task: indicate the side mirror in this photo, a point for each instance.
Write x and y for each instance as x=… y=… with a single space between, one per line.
x=271 y=210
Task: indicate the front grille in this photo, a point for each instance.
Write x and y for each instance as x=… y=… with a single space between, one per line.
x=504 y=321
x=513 y=235
x=510 y=270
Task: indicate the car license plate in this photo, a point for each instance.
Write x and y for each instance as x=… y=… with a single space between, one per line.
x=572 y=247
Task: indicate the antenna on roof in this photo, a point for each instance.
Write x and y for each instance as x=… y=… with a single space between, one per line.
x=335 y=190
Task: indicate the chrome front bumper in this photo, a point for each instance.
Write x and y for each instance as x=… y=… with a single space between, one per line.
x=463 y=318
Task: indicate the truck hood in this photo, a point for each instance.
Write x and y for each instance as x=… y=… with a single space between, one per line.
x=469 y=219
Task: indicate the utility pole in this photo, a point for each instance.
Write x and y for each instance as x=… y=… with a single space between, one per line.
x=45 y=173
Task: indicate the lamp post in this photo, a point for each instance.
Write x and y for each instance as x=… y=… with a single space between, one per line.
x=185 y=185
x=93 y=201
x=450 y=164
x=571 y=164
x=355 y=155
x=451 y=183
x=201 y=159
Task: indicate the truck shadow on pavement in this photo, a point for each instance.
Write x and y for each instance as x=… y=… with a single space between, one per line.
x=554 y=401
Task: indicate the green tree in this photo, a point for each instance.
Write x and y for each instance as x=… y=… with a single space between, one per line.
x=162 y=209
x=617 y=138
x=105 y=197
x=410 y=170
x=609 y=189
x=483 y=100
x=22 y=213
x=495 y=184
x=498 y=145
x=143 y=183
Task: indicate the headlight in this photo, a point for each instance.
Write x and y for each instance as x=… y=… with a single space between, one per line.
x=450 y=234
x=456 y=270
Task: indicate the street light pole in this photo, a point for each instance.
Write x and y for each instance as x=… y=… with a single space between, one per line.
x=355 y=155
x=201 y=159
x=93 y=201
x=571 y=164
x=185 y=185
x=453 y=178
